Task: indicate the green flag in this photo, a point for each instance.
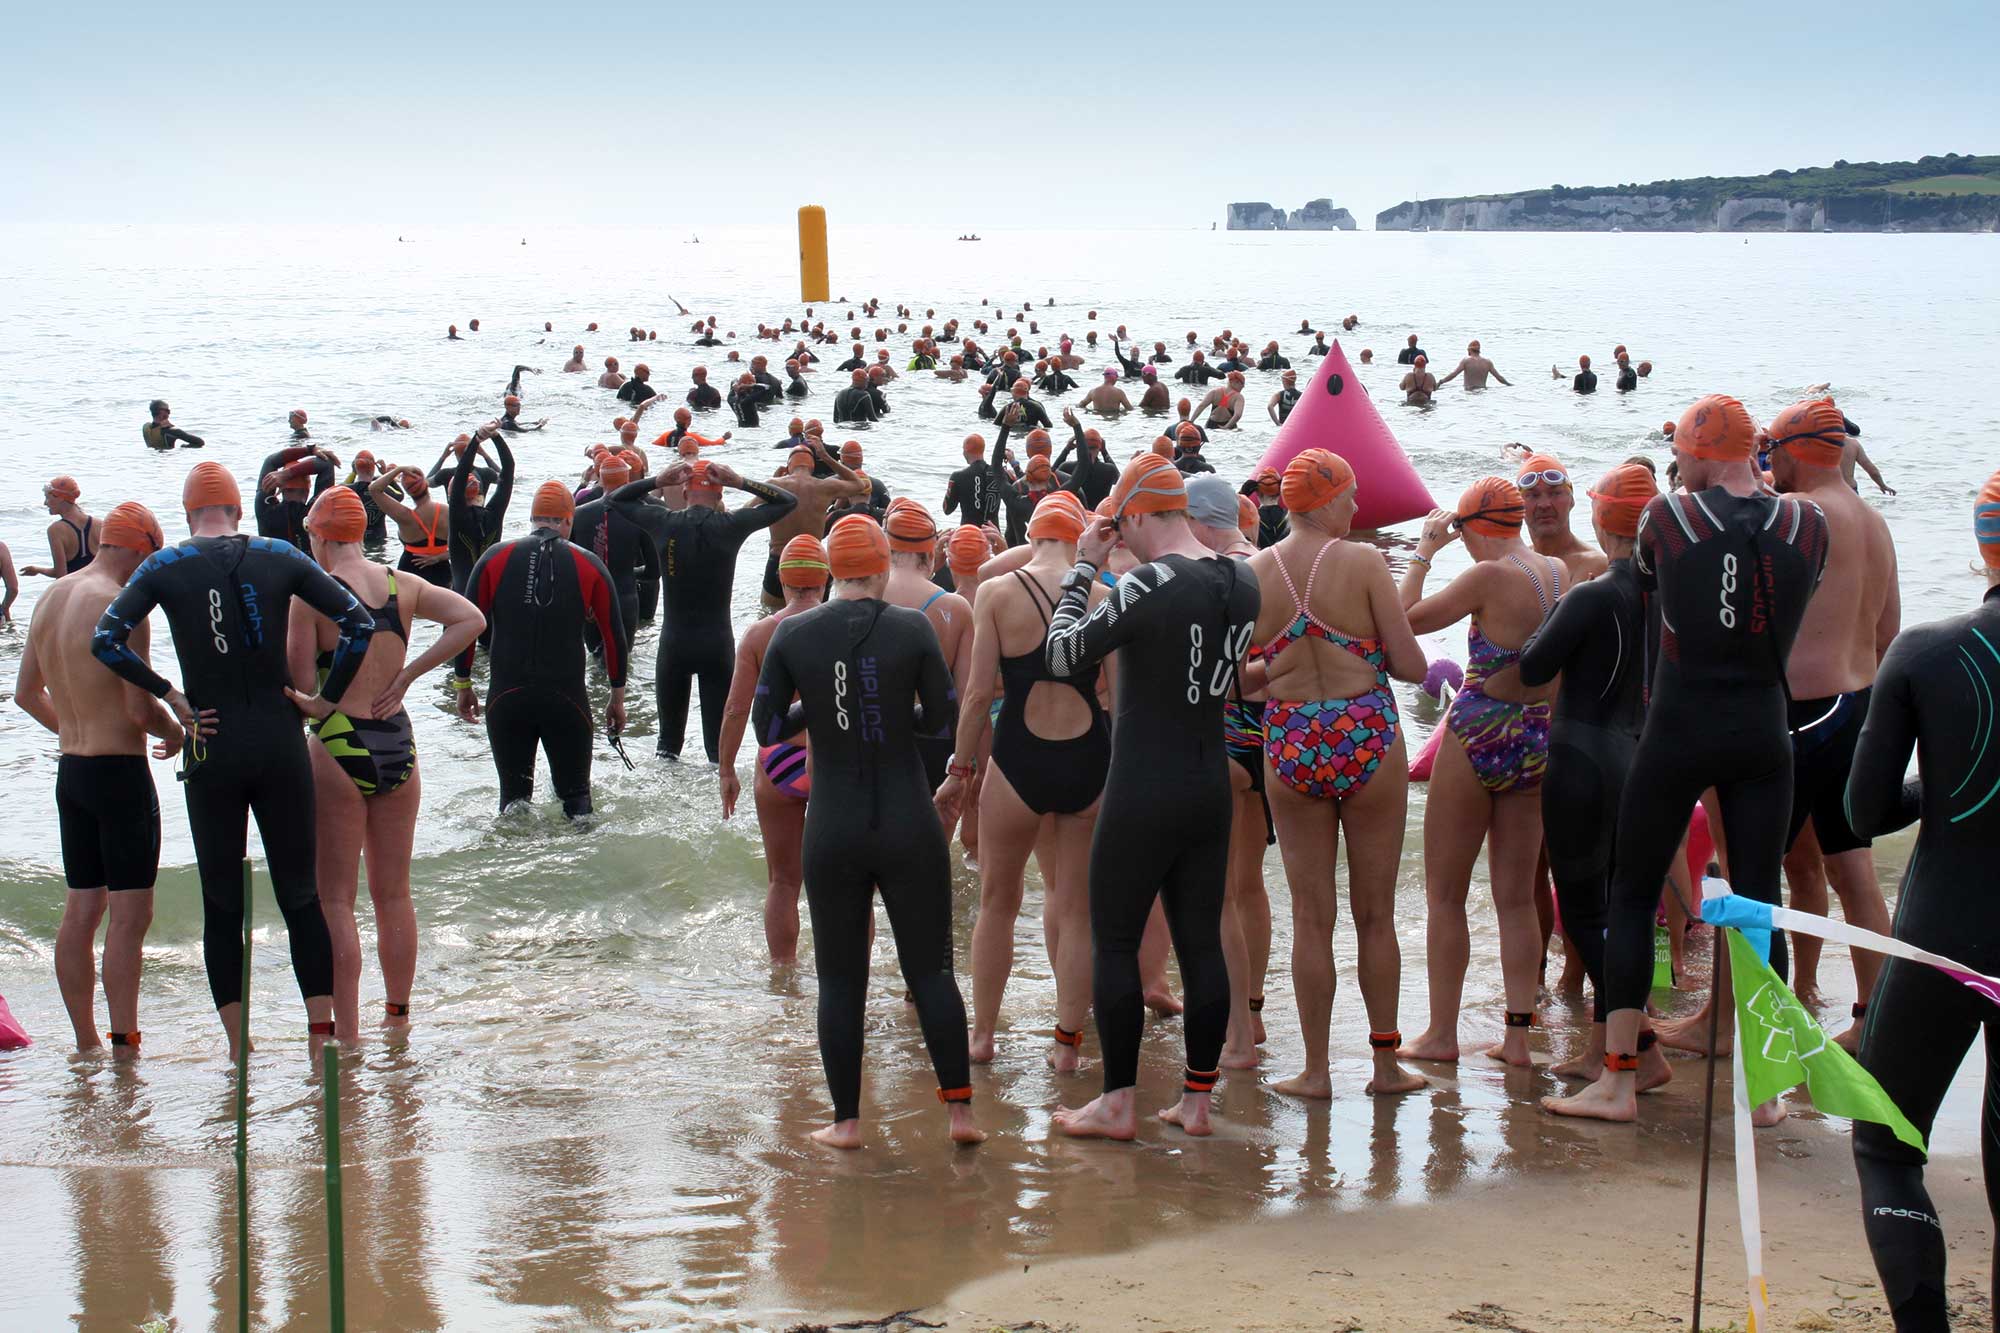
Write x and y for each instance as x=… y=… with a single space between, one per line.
x=1783 y=1047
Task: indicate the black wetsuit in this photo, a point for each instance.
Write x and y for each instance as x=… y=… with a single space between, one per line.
x=1273 y=362
x=622 y=547
x=282 y=519
x=228 y=602
x=1199 y=372
x=536 y=593
x=1163 y=826
x=704 y=397
x=1287 y=400
x=378 y=529
x=1129 y=367
x=1936 y=692
x=1161 y=358
x=1273 y=524
x=1585 y=381
x=1054 y=382
x=1408 y=356
x=1092 y=478
x=1318 y=349
x=1031 y=415
x=797 y=388
x=698 y=547
x=166 y=437
x=871 y=682
x=476 y=527
x=636 y=391
x=1596 y=640
x=1628 y=379
x=854 y=403
x=1191 y=463
x=852 y=364
x=975 y=492
x=1729 y=577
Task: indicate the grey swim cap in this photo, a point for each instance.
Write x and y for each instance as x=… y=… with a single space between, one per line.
x=1211 y=501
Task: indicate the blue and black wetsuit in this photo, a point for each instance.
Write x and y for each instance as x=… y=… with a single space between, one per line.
x=228 y=603
x=1938 y=693
x=1595 y=640
x=870 y=681
x=1730 y=577
x=1163 y=826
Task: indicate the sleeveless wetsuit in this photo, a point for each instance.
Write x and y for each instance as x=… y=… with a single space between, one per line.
x=228 y=603
x=1938 y=691
x=1595 y=640
x=536 y=593
x=1507 y=743
x=1729 y=578
x=1328 y=748
x=377 y=754
x=870 y=679
x=1062 y=777
x=1163 y=826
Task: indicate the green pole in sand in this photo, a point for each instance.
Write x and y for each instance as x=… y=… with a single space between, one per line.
x=336 y=1245
x=243 y=1124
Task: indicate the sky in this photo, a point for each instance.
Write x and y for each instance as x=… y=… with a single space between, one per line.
x=975 y=116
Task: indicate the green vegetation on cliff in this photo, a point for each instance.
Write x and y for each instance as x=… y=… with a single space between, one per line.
x=1952 y=173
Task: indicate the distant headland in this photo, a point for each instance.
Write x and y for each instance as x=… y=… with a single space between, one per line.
x=1318 y=215
x=1949 y=193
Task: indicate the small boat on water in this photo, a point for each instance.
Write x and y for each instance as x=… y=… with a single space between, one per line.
x=972 y=238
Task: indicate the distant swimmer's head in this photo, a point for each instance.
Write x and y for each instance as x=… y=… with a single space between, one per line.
x=1491 y=508
x=974 y=448
x=474 y=326
x=1645 y=369
x=858 y=378
x=683 y=417
x=1199 y=356
x=1020 y=389
x=699 y=374
x=553 y=507
x=1618 y=499
x=967 y=550
x=1986 y=526
x=628 y=433
x=451 y=331
x=337 y=516
x=799 y=460
x=297 y=418
x=1621 y=357
x=759 y=362
x=1039 y=443
x=512 y=403
x=1618 y=351
x=958 y=363
x=1149 y=373
x=1583 y=362
x=803 y=564
x=1367 y=356
x=857 y=549
x=131 y=527
x=1159 y=347
x=158 y=409
x=878 y=374
x=1716 y=429
x=61 y=491
x=578 y=352
x=1188 y=436
x=1058 y=518
x=1472 y=348
x=850 y=453
x=209 y=486
x=590 y=327
x=791 y=365
x=1667 y=429
x=1812 y=433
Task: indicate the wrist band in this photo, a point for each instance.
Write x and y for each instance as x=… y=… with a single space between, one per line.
x=1423 y=560
x=958 y=770
x=461 y=682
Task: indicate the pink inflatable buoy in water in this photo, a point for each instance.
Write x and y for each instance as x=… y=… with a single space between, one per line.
x=12 y=1035
x=1420 y=767
x=1335 y=413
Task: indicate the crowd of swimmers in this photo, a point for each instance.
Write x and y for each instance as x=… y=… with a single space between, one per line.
x=1135 y=671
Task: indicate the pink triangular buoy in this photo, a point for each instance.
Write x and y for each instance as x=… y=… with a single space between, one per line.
x=1335 y=413
x=1420 y=767
x=12 y=1035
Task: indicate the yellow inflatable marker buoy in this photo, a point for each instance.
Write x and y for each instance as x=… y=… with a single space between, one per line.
x=812 y=254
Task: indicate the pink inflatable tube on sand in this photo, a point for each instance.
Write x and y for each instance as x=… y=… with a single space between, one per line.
x=1336 y=414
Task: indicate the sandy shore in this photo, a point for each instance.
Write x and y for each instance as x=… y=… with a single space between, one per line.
x=1535 y=1256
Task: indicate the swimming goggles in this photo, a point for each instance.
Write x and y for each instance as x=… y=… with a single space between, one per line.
x=194 y=753
x=1553 y=476
x=1506 y=516
x=618 y=744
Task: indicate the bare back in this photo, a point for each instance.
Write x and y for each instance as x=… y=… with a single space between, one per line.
x=1016 y=616
x=1508 y=596
x=1857 y=608
x=98 y=712
x=1350 y=593
x=808 y=517
x=386 y=652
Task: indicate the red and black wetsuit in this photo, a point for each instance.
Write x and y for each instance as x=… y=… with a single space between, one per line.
x=537 y=593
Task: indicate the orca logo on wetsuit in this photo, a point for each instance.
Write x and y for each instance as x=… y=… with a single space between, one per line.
x=1225 y=665
x=840 y=693
x=215 y=620
x=1728 y=613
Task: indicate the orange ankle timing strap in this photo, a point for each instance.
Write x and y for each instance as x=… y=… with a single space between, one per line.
x=1385 y=1041
x=319 y=1029
x=1620 y=1064
x=394 y=1010
x=950 y=1095
x=124 y=1038
x=1068 y=1038
x=1196 y=1081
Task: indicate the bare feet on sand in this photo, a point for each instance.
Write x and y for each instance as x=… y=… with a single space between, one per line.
x=982 y=1048
x=1768 y=1114
x=1313 y=1084
x=1163 y=1003
x=1110 y=1116
x=844 y=1134
x=963 y=1131
x=1432 y=1045
x=1240 y=1057
x=1191 y=1114
x=1063 y=1057
x=1610 y=1098
x=1513 y=1050
x=1691 y=1034
x=1391 y=1079
x=1850 y=1040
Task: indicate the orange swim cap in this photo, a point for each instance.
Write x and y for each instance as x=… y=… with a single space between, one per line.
x=1246 y=517
x=967 y=550
x=1815 y=432
x=1490 y=507
x=1268 y=481
x=699 y=478
x=1583 y=362
x=64 y=488
x=1622 y=496
x=612 y=473
x=338 y=516
x=857 y=548
x=690 y=446
x=209 y=484
x=1039 y=444
x=1163 y=447
x=364 y=463
x=1314 y=479
x=1667 y=429
x=132 y=526
x=1187 y=430
x=850 y=453
x=909 y=526
x=635 y=460
x=1986 y=521
x=803 y=563
x=1148 y=485
x=1718 y=429
x=799 y=457
x=553 y=500
x=511 y=402
x=1038 y=469
x=1059 y=518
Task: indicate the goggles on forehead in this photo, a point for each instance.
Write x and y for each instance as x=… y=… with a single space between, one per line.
x=1553 y=476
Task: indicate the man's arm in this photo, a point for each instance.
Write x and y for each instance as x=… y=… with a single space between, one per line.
x=11 y=582
x=378 y=490
x=1080 y=636
x=1549 y=648
x=31 y=688
x=755 y=518
x=1494 y=371
x=1879 y=801
x=1868 y=465
x=1456 y=371
x=503 y=491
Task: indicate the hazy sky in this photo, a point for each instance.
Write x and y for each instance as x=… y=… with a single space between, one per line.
x=965 y=115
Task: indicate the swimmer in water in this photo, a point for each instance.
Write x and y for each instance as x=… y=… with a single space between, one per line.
x=73 y=537
x=869 y=679
x=161 y=433
x=1475 y=367
x=1419 y=384
x=1279 y=409
x=612 y=378
x=366 y=784
x=1157 y=396
x=784 y=770
x=575 y=362
x=1107 y=399
x=1408 y=356
x=639 y=388
x=510 y=410
x=1330 y=752
x=106 y=808
x=297 y=421
x=1319 y=347
x=1225 y=405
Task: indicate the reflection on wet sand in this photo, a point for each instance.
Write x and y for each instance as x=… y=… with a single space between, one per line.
x=128 y=1279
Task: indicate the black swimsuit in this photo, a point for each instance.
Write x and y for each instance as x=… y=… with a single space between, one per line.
x=1062 y=777
x=84 y=555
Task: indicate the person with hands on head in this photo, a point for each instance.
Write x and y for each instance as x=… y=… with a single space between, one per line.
x=422 y=522
x=818 y=479
x=287 y=483
x=478 y=507
x=366 y=784
x=784 y=769
x=536 y=593
x=106 y=809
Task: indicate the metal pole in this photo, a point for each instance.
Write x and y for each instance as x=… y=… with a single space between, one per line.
x=336 y=1246
x=1717 y=961
x=243 y=1123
